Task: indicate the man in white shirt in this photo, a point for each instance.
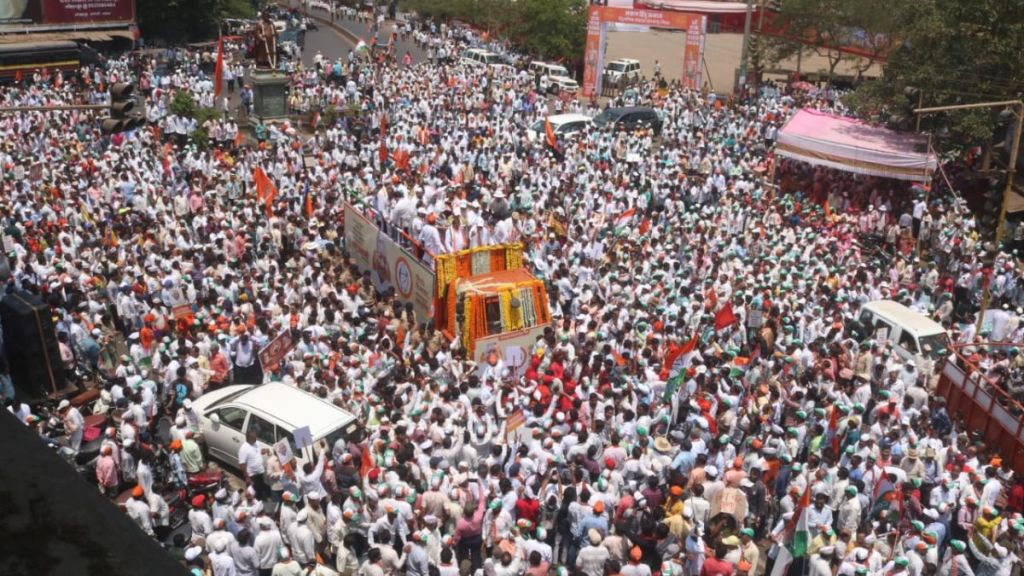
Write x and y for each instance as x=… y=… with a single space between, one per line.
x=250 y=462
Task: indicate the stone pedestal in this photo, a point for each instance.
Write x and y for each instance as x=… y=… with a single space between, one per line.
x=269 y=94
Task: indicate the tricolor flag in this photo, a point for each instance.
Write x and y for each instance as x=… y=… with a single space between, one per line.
x=801 y=536
x=680 y=361
x=623 y=220
x=218 y=71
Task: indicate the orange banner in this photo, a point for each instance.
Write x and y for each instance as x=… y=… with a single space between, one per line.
x=599 y=17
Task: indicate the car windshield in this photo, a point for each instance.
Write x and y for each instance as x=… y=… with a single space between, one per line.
x=616 y=66
x=559 y=71
x=537 y=126
x=606 y=117
x=939 y=344
x=350 y=433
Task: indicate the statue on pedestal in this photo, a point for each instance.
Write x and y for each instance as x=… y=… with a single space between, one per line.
x=265 y=49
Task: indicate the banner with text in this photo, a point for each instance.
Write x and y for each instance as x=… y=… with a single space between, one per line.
x=598 y=18
x=389 y=264
x=58 y=13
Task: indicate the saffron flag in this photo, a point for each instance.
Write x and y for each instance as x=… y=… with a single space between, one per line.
x=264 y=187
x=366 y=462
x=218 y=72
x=833 y=430
x=383 y=152
x=623 y=220
x=645 y=226
x=309 y=204
x=549 y=134
x=724 y=317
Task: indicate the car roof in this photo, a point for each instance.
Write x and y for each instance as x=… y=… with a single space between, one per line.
x=625 y=60
x=918 y=324
x=294 y=408
x=628 y=109
x=563 y=118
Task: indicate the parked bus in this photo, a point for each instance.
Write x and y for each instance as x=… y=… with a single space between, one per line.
x=27 y=57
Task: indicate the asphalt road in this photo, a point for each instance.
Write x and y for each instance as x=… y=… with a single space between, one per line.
x=333 y=44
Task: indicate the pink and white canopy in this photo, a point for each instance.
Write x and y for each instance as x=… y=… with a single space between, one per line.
x=852 y=146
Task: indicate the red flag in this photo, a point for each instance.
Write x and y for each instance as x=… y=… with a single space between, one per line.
x=645 y=225
x=724 y=317
x=17 y=76
x=218 y=72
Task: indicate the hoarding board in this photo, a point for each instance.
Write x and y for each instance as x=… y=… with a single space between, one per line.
x=56 y=14
x=389 y=264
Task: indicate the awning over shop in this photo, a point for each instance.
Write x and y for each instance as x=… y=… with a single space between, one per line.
x=698 y=6
x=853 y=146
x=82 y=35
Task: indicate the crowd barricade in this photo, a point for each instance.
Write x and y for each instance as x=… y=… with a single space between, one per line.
x=984 y=404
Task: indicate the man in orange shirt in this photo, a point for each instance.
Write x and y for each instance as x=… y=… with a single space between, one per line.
x=220 y=366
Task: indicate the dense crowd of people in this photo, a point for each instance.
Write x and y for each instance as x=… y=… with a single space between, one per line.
x=698 y=406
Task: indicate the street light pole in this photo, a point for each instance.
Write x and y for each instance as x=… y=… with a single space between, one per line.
x=1018 y=108
x=745 y=57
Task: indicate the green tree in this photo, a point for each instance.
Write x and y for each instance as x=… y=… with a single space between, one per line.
x=825 y=27
x=188 y=20
x=551 y=29
x=952 y=52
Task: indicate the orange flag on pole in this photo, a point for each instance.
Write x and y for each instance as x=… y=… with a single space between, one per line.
x=218 y=72
x=549 y=133
x=264 y=187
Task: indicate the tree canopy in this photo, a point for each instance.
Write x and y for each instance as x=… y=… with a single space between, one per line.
x=550 y=29
x=188 y=20
x=952 y=52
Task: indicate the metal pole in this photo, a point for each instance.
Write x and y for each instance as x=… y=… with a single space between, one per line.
x=53 y=108
x=920 y=101
x=745 y=57
x=986 y=295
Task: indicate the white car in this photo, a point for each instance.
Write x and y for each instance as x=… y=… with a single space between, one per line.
x=564 y=125
x=559 y=84
x=275 y=411
x=481 y=58
x=626 y=69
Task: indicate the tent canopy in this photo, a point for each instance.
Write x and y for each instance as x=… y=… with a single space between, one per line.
x=853 y=146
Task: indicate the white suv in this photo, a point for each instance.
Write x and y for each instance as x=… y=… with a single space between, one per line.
x=482 y=58
x=624 y=69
